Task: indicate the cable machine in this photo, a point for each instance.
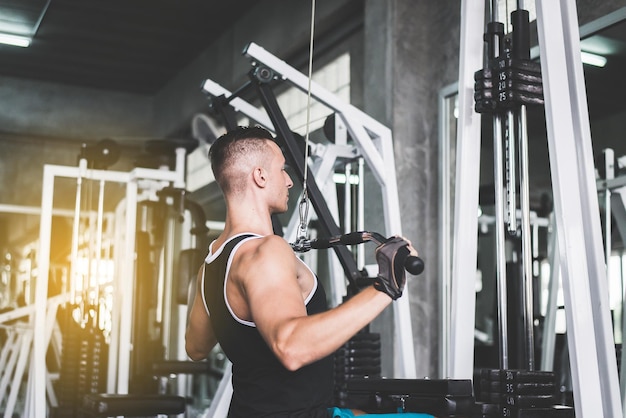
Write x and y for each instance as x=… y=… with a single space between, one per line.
x=371 y=145
x=577 y=221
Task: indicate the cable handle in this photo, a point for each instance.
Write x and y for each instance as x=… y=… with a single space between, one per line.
x=412 y=264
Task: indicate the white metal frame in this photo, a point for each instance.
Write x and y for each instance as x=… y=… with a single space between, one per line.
x=465 y=242
x=577 y=213
x=445 y=224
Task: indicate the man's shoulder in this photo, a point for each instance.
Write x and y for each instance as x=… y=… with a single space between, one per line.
x=263 y=246
x=267 y=245
x=261 y=254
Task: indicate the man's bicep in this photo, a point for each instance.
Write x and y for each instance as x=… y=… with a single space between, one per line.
x=199 y=336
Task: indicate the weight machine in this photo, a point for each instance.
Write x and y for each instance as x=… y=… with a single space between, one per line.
x=140 y=184
x=577 y=221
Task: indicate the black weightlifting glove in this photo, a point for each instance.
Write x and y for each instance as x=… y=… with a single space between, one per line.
x=390 y=257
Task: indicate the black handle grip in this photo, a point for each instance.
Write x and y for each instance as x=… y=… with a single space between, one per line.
x=414 y=265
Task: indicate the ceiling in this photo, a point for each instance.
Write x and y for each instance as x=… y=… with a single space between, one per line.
x=133 y=46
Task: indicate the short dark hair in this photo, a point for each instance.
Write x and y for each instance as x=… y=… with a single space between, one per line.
x=236 y=142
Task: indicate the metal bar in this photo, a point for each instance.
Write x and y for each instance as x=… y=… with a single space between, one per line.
x=116 y=308
x=301 y=81
x=53 y=307
x=495 y=50
x=6 y=350
x=24 y=354
x=465 y=241
x=577 y=213
x=527 y=255
x=170 y=250
x=347 y=203
x=294 y=157
x=360 y=212
x=127 y=288
x=609 y=170
x=239 y=104
x=99 y=226
x=548 y=342
x=32 y=210
x=41 y=291
x=13 y=355
x=510 y=173
x=82 y=166
x=446 y=109
x=16 y=313
x=501 y=284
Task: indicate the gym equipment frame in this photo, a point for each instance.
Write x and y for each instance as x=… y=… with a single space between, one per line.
x=135 y=180
x=577 y=216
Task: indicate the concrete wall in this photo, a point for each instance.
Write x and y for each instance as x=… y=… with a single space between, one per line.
x=411 y=52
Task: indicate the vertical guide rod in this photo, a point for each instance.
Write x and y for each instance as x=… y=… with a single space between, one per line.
x=511 y=182
x=360 y=213
x=500 y=244
x=99 y=226
x=521 y=50
x=527 y=258
x=495 y=48
x=82 y=166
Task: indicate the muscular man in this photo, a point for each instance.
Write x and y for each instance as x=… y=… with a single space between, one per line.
x=263 y=305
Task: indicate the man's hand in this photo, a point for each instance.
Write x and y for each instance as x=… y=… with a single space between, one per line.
x=391 y=274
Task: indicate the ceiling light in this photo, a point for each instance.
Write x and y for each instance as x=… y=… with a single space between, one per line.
x=593 y=59
x=14 y=40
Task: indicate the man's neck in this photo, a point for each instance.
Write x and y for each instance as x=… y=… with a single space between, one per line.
x=246 y=219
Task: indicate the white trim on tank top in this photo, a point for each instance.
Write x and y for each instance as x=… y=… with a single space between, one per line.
x=211 y=256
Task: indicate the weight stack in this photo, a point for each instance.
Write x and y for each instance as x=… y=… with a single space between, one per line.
x=358 y=358
x=98 y=360
x=517 y=394
x=83 y=368
x=68 y=384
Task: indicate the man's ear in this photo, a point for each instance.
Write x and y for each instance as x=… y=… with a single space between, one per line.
x=259 y=176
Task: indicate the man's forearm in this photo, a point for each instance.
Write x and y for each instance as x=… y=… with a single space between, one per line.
x=307 y=339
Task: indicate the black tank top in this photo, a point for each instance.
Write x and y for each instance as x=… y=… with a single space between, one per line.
x=262 y=387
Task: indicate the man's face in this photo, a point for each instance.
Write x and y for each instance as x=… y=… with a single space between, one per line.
x=280 y=181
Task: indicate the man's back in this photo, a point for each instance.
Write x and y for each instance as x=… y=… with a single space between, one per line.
x=262 y=385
